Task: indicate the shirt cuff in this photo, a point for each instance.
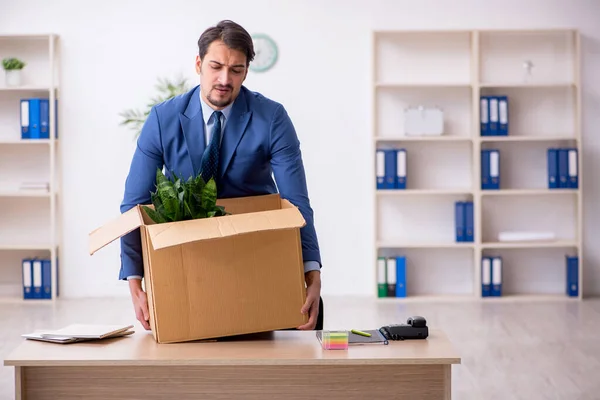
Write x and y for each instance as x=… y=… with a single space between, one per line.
x=311 y=266
x=134 y=277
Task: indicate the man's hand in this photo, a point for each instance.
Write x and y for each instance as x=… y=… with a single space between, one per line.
x=313 y=293
x=140 y=302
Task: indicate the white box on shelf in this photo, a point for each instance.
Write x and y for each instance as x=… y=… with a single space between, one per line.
x=523 y=236
x=423 y=121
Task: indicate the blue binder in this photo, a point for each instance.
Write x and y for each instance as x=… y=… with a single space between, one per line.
x=401 y=169
x=572 y=168
x=484 y=115
x=387 y=157
x=496 y=276
x=401 y=276
x=486 y=276
x=490 y=169
x=563 y=168
x=27 y=278
x=494 y=128
x=552 y=168
x=503 y=115
x=380 y=168
x=46 y=279
x=572 y=276
x=469 y=222
x=44 y=119
x=459 y=217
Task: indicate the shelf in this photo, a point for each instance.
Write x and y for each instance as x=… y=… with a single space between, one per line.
x=30 y=193
x=26 y=142
x=443 y=138
x=529 y=192
x=417 y=85
x=424 y=245
x=544 y=138
x=530 y=245
x=423 y=192
x=28 y=247
x=25 y=89
x=544 y=111
x=534 y=85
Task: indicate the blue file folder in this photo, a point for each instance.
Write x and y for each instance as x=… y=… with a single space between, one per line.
x=494 y=128
x=496 y=289
x=503 y=116
x=401 y=169
x=401 y=276
x=563 y=168
x=572 y=276
x=572 y=168
x=552 y=163
x=469 y=222
x=484 y=109
x=27 y=278
x=490 y=169
x=486 y=276
x=459 y=217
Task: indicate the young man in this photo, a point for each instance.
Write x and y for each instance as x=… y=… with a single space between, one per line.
x=225 y=131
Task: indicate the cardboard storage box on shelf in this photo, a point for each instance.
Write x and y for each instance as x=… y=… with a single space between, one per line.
x=221 y=276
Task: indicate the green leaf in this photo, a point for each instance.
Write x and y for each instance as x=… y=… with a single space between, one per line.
x=209 y=195
x=154 y=215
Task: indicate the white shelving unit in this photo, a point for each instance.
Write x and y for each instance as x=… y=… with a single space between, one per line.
x=451 y=70
x=28 y=218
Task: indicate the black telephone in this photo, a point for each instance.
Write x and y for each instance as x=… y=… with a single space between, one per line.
x=415 y=328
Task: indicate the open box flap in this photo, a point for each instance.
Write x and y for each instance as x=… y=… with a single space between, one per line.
x=176 y=233
x=125 y=223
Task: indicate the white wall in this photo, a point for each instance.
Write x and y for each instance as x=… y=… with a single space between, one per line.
x=113 y=51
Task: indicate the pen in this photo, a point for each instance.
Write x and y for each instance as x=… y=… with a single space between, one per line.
x=361 y=333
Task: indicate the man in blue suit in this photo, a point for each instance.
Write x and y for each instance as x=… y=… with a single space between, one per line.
x=225 y=131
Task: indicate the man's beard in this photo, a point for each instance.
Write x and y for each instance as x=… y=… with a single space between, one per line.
x=224 y=102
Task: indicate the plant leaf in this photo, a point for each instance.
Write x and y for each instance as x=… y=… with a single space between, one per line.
x=209 y=195
x=155 y=216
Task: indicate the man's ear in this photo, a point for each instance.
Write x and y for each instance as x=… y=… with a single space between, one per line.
x=198 y=65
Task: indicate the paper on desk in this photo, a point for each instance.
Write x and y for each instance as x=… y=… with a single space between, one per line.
x=64 y=339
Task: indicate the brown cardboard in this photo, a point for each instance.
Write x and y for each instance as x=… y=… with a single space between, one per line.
x=221 y=276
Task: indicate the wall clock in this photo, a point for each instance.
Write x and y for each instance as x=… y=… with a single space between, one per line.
x=265 y=51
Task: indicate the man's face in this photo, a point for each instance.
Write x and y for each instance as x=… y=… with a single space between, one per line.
x=222 y=73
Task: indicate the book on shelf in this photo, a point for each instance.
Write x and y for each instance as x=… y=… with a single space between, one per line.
x=464 y=222
x=490 y=169
x=494 y=116
x=37 y=278
x=391 y=276
x=562 y=166
x=35 y=118
x=390 y=168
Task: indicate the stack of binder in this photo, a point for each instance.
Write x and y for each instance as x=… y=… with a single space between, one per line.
x=490 y=169
x=35 y=118
x=491 y=276
x=464 y=223
x=391 y=168
x=562 y=168
x=37 y=279
x=391 y=276
x=494 y=115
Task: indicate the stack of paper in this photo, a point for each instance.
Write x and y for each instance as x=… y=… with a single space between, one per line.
x=80 y=332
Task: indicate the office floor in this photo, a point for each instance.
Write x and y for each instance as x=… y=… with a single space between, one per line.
x=525 y=350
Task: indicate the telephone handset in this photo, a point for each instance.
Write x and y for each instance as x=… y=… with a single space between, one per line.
x=415 y=328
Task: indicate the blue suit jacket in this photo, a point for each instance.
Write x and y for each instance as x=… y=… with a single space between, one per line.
x=259 y=139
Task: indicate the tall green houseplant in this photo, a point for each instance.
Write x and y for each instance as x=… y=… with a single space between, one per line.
x=135 y=118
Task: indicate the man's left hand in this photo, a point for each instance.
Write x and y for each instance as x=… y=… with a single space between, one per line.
x=313 y=298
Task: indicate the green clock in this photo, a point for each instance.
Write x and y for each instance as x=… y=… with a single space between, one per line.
x=265 y=51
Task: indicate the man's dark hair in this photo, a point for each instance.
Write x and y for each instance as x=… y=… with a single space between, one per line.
x=232 y=34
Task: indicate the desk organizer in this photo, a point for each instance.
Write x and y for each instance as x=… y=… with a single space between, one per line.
x=334 y=340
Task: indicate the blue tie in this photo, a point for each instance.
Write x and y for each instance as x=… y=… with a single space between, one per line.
x=210 y=159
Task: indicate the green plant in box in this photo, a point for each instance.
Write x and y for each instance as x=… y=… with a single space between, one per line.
x=179 y=200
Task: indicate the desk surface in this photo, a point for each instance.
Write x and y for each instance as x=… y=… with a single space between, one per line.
x=272 y=348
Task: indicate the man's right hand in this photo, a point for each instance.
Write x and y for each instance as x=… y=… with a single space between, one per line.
x=140 y=302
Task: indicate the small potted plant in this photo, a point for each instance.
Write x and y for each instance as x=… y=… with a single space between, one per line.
x=13 y=67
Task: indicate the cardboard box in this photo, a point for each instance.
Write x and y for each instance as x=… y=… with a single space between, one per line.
x=221 y=276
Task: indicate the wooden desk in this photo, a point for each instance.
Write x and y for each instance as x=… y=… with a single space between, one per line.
x=278 y=365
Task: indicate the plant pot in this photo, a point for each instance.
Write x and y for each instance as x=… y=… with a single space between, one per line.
x=13 y=77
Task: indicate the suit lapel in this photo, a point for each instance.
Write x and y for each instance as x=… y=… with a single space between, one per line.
x=234 y=130
x=192 y=125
